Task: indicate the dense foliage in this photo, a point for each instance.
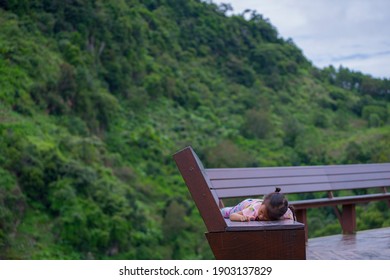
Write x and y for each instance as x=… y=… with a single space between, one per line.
x=96 y=96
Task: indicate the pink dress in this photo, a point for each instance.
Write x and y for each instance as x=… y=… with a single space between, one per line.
x=250 y=208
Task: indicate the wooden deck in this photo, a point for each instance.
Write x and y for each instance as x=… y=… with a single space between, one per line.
x=364 y=245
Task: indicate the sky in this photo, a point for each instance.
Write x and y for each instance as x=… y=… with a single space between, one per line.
x=351 y=33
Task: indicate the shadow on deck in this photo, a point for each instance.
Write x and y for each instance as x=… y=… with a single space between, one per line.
x=364 y=245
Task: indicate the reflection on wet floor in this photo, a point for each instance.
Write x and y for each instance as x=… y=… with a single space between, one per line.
x=364 y=245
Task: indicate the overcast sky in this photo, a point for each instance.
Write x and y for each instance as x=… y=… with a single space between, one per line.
x=351 y=33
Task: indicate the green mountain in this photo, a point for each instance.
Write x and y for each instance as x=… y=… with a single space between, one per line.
x=96 y=96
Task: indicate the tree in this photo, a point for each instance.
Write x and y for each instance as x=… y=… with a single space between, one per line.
x=257 y=124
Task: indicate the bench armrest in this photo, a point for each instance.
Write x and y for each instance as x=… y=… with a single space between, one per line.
x=320 y=202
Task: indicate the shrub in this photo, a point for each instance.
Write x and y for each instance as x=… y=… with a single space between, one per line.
x=257 y=124
x=227 y=154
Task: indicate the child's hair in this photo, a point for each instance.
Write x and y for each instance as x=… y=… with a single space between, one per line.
x=277 y=205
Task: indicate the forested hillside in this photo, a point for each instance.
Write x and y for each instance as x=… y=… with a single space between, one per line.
x=96 y=96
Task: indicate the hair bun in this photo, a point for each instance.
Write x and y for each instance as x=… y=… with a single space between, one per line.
x=277 y=190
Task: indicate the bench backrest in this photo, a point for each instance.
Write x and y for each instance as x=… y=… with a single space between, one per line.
x=238 y=182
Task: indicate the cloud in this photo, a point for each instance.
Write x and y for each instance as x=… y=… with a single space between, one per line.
x=361 y=56
x=352 y=33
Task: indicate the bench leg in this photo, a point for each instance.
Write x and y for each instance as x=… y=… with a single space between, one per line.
x=384 y=190
x=302 y=218
x=348 y=219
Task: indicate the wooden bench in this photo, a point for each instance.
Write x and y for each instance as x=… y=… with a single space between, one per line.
x=275 y=239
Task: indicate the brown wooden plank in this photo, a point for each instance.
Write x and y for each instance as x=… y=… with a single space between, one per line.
x=357 y=168
x=259 y=182
x=257 y=191
x=301 y=215
x=320 y=202
x=263 y=225
x=348 y=219
x=268 y=172
x=237 y=173
x=360 y=184
x=215 y=196
x=192 y=172
x=258 y=245
x=294 y=180
x=241 y=190
x=359 y=177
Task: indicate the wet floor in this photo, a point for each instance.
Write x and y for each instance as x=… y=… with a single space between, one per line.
x=364 y=245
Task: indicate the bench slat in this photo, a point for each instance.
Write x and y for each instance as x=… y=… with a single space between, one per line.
x=263 y=225
x=267 y=172
x=358 y=168
x=303 y=180
x=253 y=191
x=360 y=184
x=359 y=177
x=238 y=173
x=256 y=191
x=260 y=182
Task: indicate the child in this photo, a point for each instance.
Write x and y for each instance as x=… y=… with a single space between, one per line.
x=273 y=207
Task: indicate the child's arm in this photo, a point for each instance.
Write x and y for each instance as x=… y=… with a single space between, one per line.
x=239 y=217
x=289 y=215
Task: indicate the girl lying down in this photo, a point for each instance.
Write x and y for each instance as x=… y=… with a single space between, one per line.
x=273 y=207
